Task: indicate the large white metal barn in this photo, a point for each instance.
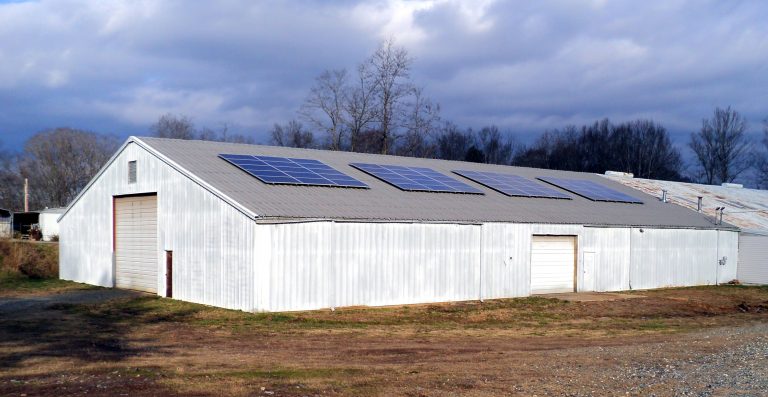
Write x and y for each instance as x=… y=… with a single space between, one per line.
x=262 y=228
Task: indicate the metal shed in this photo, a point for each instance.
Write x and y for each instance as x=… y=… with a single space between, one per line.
x=23 y=222
x=173 y=218
x=49 y=223
x=6 y=227
x=745 y=208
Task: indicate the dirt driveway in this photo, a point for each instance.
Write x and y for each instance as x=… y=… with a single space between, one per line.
x=26 y=305
x=691 y=342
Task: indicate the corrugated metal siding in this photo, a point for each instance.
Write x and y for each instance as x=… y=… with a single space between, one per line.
x=213 y=244
x=49 y=225
x=753 y=259
x=611 y=248
x=5 y=228
x=506 y=252
x=300 y=276
x=327 y=264
x=727 y=256
x=673 y=258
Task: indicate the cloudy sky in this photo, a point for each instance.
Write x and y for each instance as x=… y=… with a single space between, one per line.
x=526 y=66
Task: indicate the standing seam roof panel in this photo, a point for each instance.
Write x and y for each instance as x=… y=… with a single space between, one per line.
x=383 y=202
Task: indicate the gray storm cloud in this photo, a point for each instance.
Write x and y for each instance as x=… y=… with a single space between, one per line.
x=525 y=66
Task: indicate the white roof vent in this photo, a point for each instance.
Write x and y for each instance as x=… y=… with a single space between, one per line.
x=733 y=185
x=619 y=173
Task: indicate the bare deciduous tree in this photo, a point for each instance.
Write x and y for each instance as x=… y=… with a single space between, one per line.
x=420 y=124
x=10 y=181
x=359 y=107
x=641 y=147
x=207 y=134
x=389 y=70
x=182 y=127
x=452 y=143
x=644 y=148
x=175 y=127
x=292 y=134
x=497 y=148
x=60 y=162
x=237 y=138
x=761 y=160
x=370 y=111
x=721 y=148
x=324 y=109
x=556 y=149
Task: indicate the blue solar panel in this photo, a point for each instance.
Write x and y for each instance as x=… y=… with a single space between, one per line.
x=591 y=190
x=288 y=171
x=512 y=185
x=416 y=178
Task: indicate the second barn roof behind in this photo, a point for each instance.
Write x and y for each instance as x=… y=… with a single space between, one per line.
x=744 y=208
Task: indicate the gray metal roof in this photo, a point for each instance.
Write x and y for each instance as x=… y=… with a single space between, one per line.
x=383 y=202
x=55 y=210
x=745 y=208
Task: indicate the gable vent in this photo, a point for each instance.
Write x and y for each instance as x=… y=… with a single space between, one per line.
x=132 y=171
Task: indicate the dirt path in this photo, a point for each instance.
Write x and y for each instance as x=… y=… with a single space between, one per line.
x=11 y=306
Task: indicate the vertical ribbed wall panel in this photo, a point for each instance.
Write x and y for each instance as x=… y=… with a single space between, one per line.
x=212 y=242
x=672 y=258
x=610 y=247
x=506 y=260
x=728 y=252
x=327 y=264
x=753 y=259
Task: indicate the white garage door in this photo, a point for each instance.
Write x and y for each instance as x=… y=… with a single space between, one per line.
x=753 y=259
x=136 y=243
x=553 y=264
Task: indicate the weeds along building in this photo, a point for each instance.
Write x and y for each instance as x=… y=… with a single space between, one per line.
x=262 y=228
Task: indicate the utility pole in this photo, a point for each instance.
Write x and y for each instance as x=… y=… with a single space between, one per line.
x=26 y=195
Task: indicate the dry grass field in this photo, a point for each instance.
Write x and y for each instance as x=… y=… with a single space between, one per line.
x=67 y=339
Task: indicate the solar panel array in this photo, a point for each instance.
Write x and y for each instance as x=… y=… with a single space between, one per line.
x=416 y=178
x=290 y=171
x=296 y=171
x=591 y=190
x=512 y=185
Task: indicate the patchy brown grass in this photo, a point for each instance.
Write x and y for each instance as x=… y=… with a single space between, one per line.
x=38 y=260
x=15 y=284
x=152 y=346
x=31 y=268
x=668 y=310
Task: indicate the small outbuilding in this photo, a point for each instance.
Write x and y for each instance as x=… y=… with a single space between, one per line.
x=6 y=222
x=45 y=221
x=24 y=222
x=731 y=202
x=49 y=223
x=262 y=228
